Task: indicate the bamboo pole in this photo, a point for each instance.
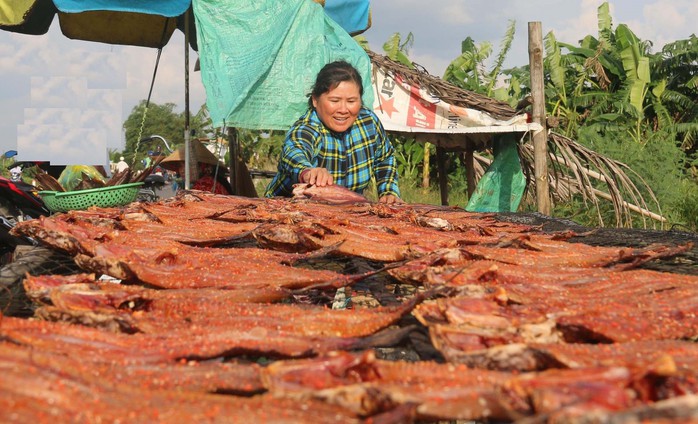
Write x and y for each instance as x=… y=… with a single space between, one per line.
x=233 y=150
x=630 y=206
x=540 y=142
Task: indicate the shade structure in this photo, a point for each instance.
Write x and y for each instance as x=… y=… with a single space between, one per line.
x=201 y=155
x=144 y=23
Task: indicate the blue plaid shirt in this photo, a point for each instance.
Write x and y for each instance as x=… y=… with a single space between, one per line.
x=351 y=157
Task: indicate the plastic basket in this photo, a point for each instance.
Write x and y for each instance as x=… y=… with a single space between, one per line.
x=104 y=197
x=49 y=198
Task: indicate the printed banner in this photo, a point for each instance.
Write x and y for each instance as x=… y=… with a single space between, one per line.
x=409 y=108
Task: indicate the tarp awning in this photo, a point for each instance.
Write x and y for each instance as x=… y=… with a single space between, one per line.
x=259 y=59
x=352 y=15
x=146 y=23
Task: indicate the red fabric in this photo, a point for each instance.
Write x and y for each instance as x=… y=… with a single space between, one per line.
x=205 y=183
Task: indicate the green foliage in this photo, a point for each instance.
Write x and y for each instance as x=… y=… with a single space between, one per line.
x=161 y=120
x=465 y=70
x=468 y=70
x=686 y=207
x=659 y=162
x=399 y=50
x=362 y=41
x=260 y=149
x=409 y=155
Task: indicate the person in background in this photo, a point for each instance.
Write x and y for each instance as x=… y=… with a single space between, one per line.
x=121 y=165
x=16 y=173
x=212 y=174
x=337 y=141
x=210 y=180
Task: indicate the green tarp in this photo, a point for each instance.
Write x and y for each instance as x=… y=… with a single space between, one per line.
x=259 y=58
x=502 y=186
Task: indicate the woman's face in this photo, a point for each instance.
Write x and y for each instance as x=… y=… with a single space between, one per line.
x=339 y=107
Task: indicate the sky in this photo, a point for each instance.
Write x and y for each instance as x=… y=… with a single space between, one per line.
x=65 y=100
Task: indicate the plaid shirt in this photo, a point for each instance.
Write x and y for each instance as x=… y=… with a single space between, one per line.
x=352 y=157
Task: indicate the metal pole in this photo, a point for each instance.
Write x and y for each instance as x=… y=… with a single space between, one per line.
x=187 y=132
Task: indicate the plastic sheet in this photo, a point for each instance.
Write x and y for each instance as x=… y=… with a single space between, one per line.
x=502 y=186
x=72 y=175
x=259 y=59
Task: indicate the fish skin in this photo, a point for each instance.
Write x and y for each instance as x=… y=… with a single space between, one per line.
x=193 y=343
x=333 y=194
x=85 y=289
x=211 y=377
x=174 y=265
x=158 y=311
x=31 y=393
x=366 y=385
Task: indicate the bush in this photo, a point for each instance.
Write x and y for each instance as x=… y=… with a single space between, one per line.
x=658 y=162
x=686 y=207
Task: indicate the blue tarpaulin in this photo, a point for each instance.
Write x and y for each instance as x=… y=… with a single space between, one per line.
x=169 y=8
x=352 y=15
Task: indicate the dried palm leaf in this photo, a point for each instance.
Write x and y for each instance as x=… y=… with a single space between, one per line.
x=47 y=182
x=147 y=171
x=121 y=177
x=578 y=168
x=574 y=170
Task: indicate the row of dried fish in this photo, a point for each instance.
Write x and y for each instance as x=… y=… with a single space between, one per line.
x=337 y=386
x=201 y=273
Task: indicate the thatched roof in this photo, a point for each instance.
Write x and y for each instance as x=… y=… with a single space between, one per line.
x=442 y=89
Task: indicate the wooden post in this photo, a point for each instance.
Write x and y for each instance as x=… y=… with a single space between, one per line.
x=469 y=162
x=540 y=138
x=443 y=177
x=233 y=153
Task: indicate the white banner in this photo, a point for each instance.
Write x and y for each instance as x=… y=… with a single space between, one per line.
x=409 y=108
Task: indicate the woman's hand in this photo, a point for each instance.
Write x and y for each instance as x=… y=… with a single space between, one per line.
x=390 y=199
x=318 y=176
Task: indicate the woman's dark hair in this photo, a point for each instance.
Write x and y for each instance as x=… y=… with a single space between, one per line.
x=331 y=75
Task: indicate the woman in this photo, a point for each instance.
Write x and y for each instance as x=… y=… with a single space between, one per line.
x=337 y=141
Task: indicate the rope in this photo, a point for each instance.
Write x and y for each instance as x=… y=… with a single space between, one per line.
x=218 y=161
x=147 y=102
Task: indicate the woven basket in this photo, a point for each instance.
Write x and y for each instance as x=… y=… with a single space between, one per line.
x=104 y=197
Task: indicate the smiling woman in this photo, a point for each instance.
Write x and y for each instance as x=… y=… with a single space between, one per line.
x=337 y=141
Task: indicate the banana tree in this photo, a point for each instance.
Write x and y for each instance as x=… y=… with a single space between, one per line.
x=399 y=50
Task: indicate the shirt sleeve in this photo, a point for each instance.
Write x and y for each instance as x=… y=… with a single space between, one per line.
x=297 y=152
x=385 y=166
x=296 y=156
